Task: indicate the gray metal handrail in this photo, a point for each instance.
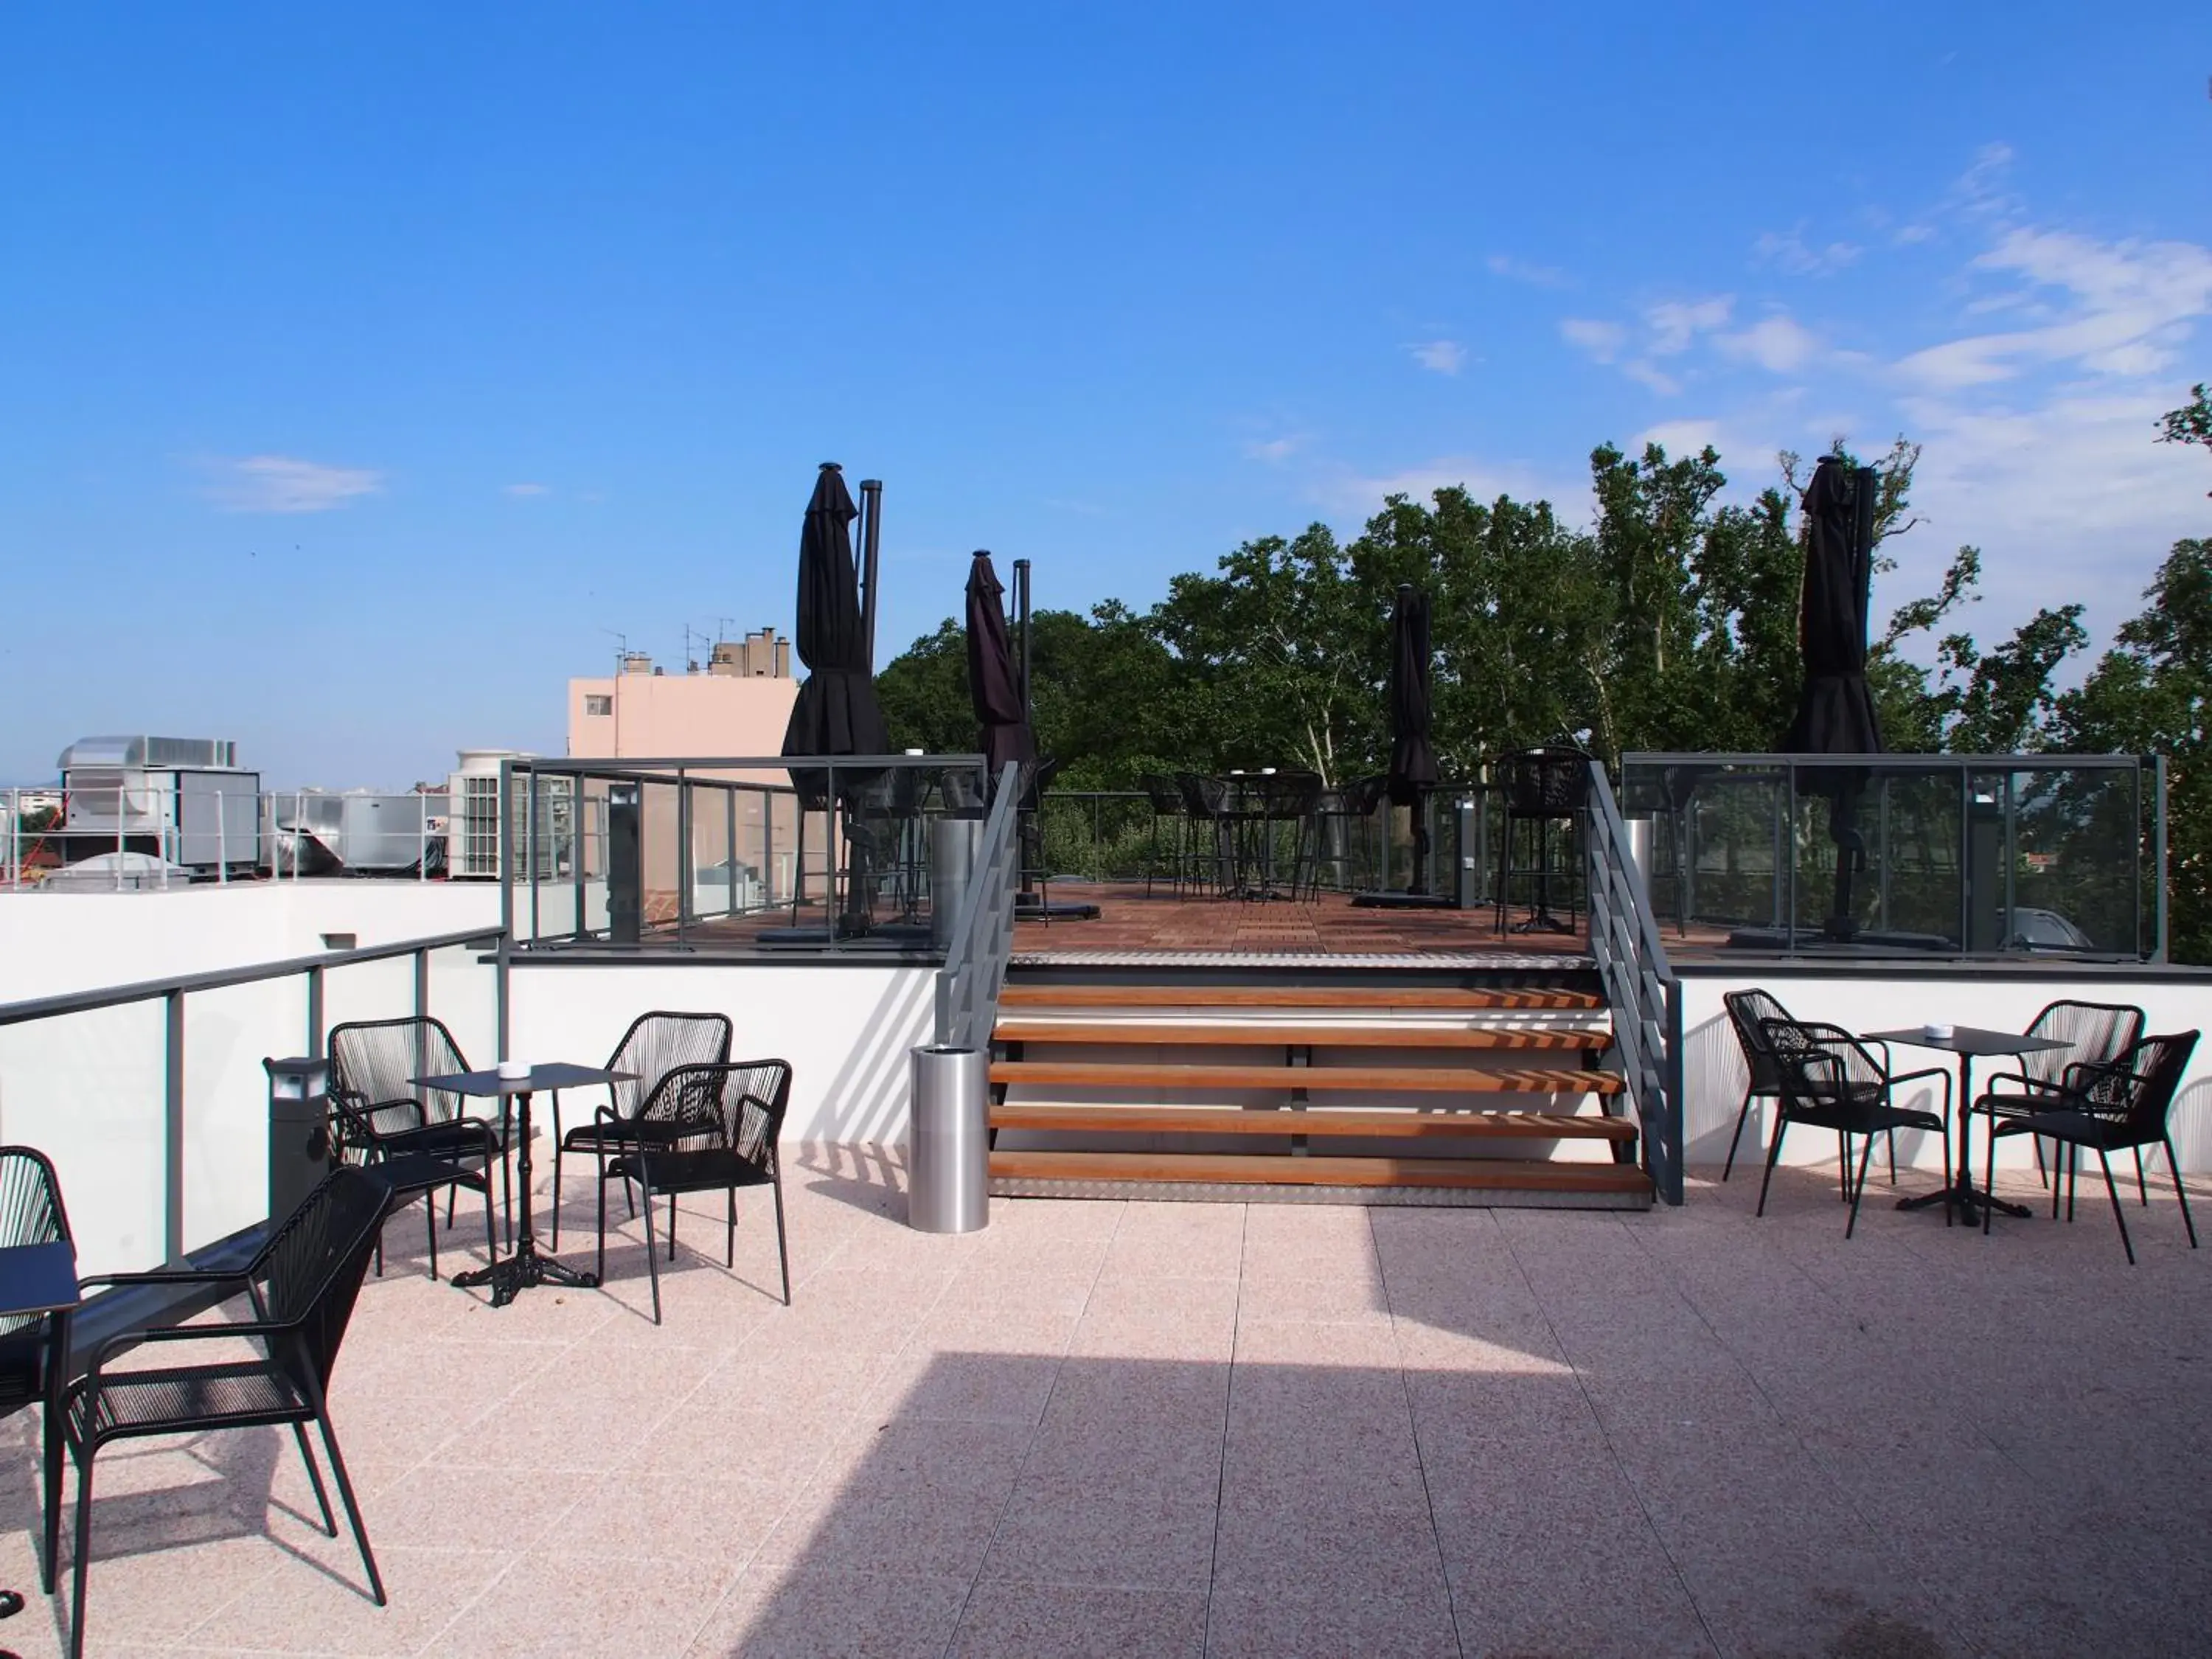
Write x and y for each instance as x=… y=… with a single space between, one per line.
x=1640 y=988
x=173 y=991
x=982 y=938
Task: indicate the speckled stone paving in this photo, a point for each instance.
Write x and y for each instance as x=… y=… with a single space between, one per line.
x=1130 y=1428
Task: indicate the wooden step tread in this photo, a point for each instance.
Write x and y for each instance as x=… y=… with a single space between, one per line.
x=1105 y=1075
x=1321 y=1120
x=1262 y=1169
x=1048 y=995
x=1287 y=1036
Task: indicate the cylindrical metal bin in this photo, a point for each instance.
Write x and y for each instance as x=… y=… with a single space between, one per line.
x=948 y=1141
x=1639 y=849
x=953 y=845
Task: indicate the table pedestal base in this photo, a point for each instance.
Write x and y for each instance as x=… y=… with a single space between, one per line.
x=512 y=1275
x=1969 y=1198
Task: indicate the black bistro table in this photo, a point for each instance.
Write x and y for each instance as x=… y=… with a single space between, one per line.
x=1966 y=1042
x=523 y=1266
x=37 y=1279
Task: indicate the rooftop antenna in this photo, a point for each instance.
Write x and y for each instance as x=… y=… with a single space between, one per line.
x=622 y=646
x=690 y=662
x=722 y=629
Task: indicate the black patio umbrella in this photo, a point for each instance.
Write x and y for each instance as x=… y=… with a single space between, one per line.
x=1835 y=707
x=995 y=684
x=836 y=712
x=1412 y=760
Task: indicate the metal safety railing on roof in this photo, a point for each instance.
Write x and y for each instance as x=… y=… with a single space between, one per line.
x=1640 y=988
x=983 y=939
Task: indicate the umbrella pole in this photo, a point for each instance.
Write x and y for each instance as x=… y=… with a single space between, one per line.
x=1850 y=857
x=871 y=529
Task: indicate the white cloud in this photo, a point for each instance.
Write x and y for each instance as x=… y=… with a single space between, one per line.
x=1439 y=356
x=1602 y=341
x=526 y=490
x=1787 y=251
x=1776 y=343
x=1520 y=270
x=1676 y=322
x=1274 y=451
x=283 y=483
x=1646 y=372
x=2129 y=307
x=1355 y=492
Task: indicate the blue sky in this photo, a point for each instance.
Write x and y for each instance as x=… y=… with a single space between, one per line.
x=364 y=371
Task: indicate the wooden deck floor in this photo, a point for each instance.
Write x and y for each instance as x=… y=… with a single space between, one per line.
x=1129 y=921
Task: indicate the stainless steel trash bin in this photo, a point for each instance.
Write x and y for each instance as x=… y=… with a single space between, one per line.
x=953 y=845
x=948 y=1141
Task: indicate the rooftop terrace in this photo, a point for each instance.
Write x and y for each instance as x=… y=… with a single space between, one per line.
x=1122 y=1428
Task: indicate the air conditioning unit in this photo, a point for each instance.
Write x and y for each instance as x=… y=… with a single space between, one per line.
x=475 y=832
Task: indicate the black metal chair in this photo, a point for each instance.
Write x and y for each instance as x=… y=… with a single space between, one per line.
x=1286 y=800
x=303 y=1284
x=1167 y=803
x=2125 y=1106
x=1341 y=812
x=1206 y=805
x=2096 y=1036
x=705 y=1128
x=655 y=1045
x=420 y=1141
x=1747 y=1010
x=1830 y=1080
x=1540 y=788
x=34 y=1347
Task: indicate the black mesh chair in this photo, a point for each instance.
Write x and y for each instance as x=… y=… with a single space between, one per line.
x=1167 y=803
x=419 y=1140
x=705 y=1128
x=2096 y=1036
x=1206 y=804
x=1287 y=801
x=2123 y=1106
x=1831 y=1080
x=1538 y=788
x=1341 y=814
x=655 y=1045
x=1748 y=1011
x=303 y=1284
x=34 y=1347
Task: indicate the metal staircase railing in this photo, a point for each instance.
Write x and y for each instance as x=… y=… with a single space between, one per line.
x=1640 y=988
x=982 y=938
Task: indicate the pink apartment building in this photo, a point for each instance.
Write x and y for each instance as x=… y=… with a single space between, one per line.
x=739 y=705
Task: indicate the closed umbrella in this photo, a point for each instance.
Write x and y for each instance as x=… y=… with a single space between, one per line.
x=836 y=712
x=1835 y=707
x=1412 y=760
x=994 y=686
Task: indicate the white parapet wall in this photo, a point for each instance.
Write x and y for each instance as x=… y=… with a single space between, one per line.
x=90 y=1091
x=1891 y=996
x=847 y=1031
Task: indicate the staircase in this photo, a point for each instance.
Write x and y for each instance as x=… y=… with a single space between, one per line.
x=1390 y=1085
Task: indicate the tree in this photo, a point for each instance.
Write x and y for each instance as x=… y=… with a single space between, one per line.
x=2152 y=693
x=2191 y=423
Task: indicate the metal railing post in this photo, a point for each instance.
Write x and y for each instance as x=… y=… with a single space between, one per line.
x=314 y=1013
x=172 y=1138
x=421 y=984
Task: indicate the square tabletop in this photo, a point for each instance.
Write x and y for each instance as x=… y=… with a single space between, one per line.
x=37 y=1279
x=1971 y=1040
x=553 y=1074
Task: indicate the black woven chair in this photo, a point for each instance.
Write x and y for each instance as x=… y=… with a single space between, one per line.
x=655 y=1045
x=1206 y=806
x=1830 y=1080
x=303 y=1284
x=419 y=1140
x=1538 y=788
x=2123 y=1106
x=1747 y=1010
x=34 y=1347
x=2096 y=1036
x=1167 y=803
x=1287 y=801
x=705 y=1128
